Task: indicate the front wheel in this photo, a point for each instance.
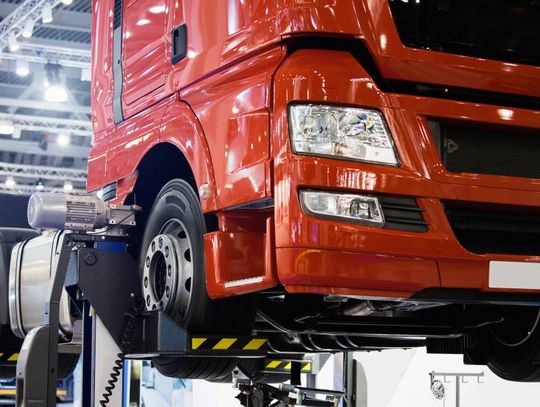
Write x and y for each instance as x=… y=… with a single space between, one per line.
x=512 y=347
x=174 y=280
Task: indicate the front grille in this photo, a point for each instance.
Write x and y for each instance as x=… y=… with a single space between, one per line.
x=506 y=30
x=402 y=213
x=478 y=149
x=486 y=228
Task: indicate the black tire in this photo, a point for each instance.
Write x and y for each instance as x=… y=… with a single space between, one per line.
x=66 y=366
x=512 y=348
x=67 y=363
x=177 y=200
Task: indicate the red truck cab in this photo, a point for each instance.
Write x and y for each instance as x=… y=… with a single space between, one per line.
x=355 y=173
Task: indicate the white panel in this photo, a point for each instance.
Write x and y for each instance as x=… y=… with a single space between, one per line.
x=510 y=274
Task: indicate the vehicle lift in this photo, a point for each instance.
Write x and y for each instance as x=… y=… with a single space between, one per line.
x=97 y=268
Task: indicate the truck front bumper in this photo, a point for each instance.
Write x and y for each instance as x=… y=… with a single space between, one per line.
x=327 y=256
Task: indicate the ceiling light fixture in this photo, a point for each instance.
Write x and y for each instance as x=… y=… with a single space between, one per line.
x=85 y=75
x=28 y=28
x=39 y=186
x=55 y=91
x=46 y=14
x=68 y=186
x=6 y=127
x=13 y=44
x=66 y=2
x=63 y=139
x=22 y=68
x=10 y=182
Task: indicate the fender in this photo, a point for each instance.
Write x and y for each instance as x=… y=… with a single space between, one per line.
x=180 y=127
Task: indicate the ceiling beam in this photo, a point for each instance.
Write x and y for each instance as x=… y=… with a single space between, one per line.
x=42 y=172
x=39 y=105
x=27 y=190
x=50 y=124
x=51 y=149
x=66 y=59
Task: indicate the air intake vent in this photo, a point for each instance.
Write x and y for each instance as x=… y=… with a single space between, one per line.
x=402 y=213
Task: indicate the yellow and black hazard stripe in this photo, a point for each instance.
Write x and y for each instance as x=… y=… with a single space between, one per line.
x=8 y=357
x=13 y=392
x=249 y=344
x=285 y=366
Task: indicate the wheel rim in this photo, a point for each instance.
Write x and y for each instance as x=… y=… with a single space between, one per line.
x=518 y=328
x=168 y=271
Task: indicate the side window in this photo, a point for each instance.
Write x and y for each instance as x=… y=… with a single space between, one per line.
x=144 y=47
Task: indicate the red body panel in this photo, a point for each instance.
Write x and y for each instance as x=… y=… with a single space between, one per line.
x=224 y=107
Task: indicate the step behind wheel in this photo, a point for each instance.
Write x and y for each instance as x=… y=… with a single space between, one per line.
x=173 y=276
x=254 y=369
x=512 y=348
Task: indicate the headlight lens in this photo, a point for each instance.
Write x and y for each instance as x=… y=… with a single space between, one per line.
x=350 y=133
x=348 y=207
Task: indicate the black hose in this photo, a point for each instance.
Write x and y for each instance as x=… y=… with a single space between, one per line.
x=126 y=344
x=115 y=374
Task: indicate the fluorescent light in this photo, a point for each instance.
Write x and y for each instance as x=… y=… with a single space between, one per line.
x=10 y=182
x=63 y=139
x=13 y=44
x=68 y=186
x=46 y=14
x=6 y=127
x=23 y=68
x=56 y=93
x=28 y=28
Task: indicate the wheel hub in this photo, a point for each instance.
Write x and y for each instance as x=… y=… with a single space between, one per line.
x=167 y=274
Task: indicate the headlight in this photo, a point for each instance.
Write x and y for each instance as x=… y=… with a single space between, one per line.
x=346 y=132
x=348 y=207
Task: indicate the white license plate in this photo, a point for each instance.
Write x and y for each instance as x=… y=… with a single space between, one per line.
x=513 y=274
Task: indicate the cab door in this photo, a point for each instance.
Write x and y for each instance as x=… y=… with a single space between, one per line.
x=144 y=48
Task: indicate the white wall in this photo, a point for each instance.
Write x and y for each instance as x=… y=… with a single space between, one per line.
x=400 y=378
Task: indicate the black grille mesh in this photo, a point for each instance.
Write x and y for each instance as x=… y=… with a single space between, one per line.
x=487 y=228
x=507 y=151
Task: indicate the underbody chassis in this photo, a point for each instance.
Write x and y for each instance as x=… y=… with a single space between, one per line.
x=98 y=270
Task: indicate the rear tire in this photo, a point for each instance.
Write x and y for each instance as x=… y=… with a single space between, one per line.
x=177 y=214
x=512 y=348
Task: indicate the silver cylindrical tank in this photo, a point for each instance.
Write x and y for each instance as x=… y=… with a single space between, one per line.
x=30 y=270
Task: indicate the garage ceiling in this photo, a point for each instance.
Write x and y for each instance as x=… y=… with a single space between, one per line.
x=50 y=141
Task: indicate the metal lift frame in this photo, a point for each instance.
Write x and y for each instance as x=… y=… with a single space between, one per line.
x=105 y=275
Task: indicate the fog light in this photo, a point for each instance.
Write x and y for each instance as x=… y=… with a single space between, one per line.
x=345 y=207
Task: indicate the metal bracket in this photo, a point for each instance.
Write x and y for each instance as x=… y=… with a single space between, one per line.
x=37 y=375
